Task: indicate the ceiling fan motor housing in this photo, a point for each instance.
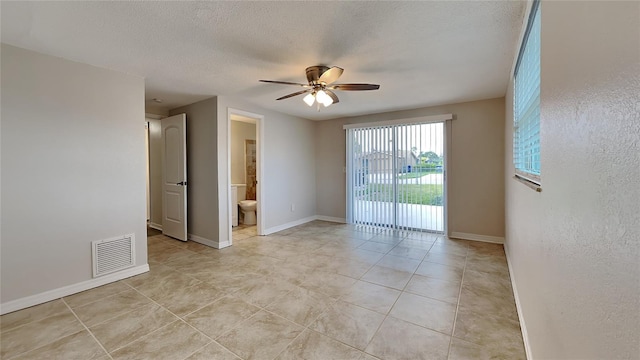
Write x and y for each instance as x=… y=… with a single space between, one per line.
x=314 y=73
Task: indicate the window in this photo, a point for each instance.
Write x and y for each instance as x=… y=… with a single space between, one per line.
x=396 y=172
x=526 y=102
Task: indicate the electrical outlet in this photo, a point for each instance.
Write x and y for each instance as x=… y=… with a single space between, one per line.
x=293 y=207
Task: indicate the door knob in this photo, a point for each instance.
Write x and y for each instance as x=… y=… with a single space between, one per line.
x=182 y=183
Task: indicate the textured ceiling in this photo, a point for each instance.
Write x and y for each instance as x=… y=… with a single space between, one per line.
x=421 y=53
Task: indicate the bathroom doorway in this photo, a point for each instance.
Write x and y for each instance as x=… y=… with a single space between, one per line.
x=245 y=168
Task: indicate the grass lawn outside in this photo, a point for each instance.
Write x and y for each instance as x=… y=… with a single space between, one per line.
x=417 y=174
x=423 y=194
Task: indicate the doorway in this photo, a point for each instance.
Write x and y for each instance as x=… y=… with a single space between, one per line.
x=396 y=176
x=245 y=144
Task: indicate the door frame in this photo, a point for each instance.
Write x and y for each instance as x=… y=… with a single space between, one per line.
x=445 y=119
x=259 y=121
x=147 y=146
x=445 y=172
x=153 y=121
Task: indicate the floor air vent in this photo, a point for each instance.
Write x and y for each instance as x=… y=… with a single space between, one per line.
x=114 y=254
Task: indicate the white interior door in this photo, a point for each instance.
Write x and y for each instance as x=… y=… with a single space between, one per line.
x=174 y=176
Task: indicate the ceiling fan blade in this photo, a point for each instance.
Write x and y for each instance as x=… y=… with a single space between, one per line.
x=330 y=75
x=314 y=72
x=294 y=94
x=283 y=82
x=354 y=87
x=333 y=96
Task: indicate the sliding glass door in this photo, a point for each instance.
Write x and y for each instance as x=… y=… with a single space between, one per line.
x=396 y=176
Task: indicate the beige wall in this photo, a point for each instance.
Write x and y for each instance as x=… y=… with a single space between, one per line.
x=574 y=248
x=289 y=163
x=240 y=131
x=289 y=167
x=202 y=168
x=73 y=169
x=476 y=182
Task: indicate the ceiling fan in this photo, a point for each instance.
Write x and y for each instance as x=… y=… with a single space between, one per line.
x=320 y=88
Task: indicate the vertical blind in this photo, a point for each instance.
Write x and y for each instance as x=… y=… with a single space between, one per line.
x=396 y=176
x=526 y=108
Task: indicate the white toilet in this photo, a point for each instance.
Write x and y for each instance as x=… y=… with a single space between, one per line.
x=248 y=208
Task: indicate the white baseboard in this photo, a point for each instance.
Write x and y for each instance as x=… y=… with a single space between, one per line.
x=331 y=219
x=25 y=302
x=476 y=237
x=224 y=244
x=291 y=224
x=208 y=242
x=523 y=326
x=155 y=226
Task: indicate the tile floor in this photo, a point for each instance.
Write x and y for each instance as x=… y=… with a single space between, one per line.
x=317 y=291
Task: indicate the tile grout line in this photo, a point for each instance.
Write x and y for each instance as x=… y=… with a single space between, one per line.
x=405 y=291
x=390 y=308
x=41 y=346
x=51 y=342
x=455 y=318
x=145 y=335
x=308 y=327
x=242 y=322
x=68 y=306
x=198 y=349
x=102 y=298
x=204 y=306
x=338 y=298
x=74 y=314
x=27 y=323
x=386 y=315
x=126 y=344
x=87 y=329
x=213 y=342
x=253 y=315
x=297 y=336
x=169 y=311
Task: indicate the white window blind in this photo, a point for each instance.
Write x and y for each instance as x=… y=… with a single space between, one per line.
x=526 y=102
x=395 y=176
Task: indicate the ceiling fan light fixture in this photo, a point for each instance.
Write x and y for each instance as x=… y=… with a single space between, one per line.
x=309 y=99
x=323 y=98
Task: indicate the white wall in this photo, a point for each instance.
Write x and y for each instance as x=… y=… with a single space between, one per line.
x=574 y=248
x=202 y=169
x=73 y=169
x=476 y=150
x=289 y=163
x=240 y=131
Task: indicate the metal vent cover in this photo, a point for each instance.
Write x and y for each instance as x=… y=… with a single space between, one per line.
x=111 y=255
